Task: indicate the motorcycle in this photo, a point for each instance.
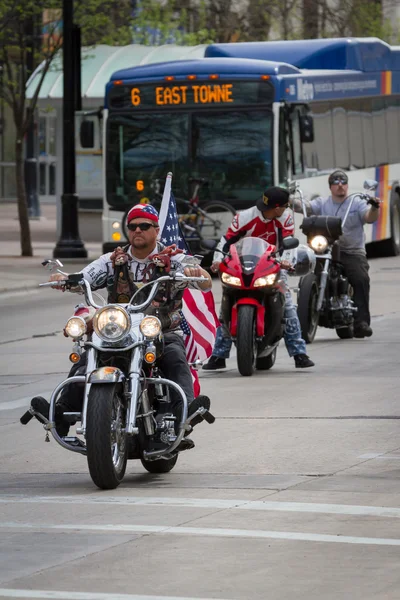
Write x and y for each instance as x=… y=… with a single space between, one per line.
x=254 y=298
x=325 y=296
x=126 y=411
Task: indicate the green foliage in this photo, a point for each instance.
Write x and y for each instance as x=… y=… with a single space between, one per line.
x=157 y=24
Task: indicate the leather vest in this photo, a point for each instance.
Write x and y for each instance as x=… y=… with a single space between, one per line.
x=167 y=304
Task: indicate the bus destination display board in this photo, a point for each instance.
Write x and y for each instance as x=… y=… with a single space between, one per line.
x=189 y=94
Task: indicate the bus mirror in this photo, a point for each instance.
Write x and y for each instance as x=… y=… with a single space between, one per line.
x=306 y=129
x=86 y=134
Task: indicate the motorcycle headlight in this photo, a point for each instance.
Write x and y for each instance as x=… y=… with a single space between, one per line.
x=75 y=327
x=111 y=323
x=150 y=327
x=230 y=279
x=267 y=280
x=319 y=243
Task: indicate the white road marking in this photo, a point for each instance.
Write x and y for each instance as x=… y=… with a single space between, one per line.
x=307 y=507
x=208 y=531
x=22 y=401
x=385 y=456
x=53 y=595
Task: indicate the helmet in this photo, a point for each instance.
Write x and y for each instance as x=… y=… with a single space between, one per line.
x=303 y=260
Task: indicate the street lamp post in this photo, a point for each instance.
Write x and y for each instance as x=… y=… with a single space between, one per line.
x=69 y=245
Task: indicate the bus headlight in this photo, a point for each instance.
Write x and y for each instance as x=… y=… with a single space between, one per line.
x=319 y=244
x=75 y=328
x=150 y=327
x=267 y=280
x=111 y=323
x=230 y=279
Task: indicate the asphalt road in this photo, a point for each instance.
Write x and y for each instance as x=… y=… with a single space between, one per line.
x=294 y=492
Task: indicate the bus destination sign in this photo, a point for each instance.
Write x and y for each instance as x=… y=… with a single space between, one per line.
x=185 y=94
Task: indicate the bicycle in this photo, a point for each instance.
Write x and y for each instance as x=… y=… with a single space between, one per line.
x=197 y=223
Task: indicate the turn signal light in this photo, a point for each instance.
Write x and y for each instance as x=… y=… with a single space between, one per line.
x=169 y=78
x=213 y=76
x=150 y=357
x=192 y=77
x=116 y=236
x=74 y=357
x=264 y=77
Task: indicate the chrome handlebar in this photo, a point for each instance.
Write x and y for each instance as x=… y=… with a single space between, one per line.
x=86 y=289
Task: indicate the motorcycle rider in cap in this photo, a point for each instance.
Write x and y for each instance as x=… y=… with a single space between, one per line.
x=271 y=221
x=142 y=260
x=353 y=255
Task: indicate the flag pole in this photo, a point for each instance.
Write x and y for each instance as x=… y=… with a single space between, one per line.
x=165 y=200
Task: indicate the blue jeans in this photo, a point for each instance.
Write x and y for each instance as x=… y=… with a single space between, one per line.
x=293 y=341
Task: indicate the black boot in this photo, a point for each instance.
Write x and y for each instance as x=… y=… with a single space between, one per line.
x=41 y=405
x=302 y=361
x=362 y=330
x=214 y=363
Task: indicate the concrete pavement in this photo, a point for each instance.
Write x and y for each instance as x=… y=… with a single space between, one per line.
x=17 y=273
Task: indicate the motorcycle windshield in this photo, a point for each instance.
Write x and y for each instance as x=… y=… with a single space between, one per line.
x=250 y=250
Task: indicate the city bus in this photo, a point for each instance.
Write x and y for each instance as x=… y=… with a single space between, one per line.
x=246 y=116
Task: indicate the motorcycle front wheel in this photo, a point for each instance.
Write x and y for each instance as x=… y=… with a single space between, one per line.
x=307 y=307
x=246 y=345
x=106 y=443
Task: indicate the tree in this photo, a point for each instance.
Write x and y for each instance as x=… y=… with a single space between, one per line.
x=34 y=27
x=158 y=23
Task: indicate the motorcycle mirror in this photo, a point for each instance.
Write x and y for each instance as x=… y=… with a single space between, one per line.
x=292 y=187
x=51 y=263
x=290 y=243
x=370 y=185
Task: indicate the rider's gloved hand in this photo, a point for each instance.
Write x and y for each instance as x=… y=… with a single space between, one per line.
x=375 y=202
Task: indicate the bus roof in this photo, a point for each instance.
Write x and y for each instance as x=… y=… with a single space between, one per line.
x=203 y=66
x=357 y=54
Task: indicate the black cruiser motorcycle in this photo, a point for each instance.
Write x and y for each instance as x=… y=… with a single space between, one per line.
x=126 y=412
x=325 y=296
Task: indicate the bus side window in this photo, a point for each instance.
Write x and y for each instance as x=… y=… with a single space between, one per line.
x=297 y=159
x=340 y=136
x=393 y=127
x=284 y=147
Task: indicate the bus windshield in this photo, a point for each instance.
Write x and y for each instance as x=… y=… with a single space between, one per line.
x=231 y=149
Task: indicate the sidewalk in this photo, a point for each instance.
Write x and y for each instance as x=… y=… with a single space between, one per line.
x=19 y=273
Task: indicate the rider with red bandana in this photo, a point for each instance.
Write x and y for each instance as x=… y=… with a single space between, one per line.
x=271 y=221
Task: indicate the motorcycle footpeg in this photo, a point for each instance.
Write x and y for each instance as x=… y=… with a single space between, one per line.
x=201 y=414
x=185 y=444
x=73 y=441
x=209 y=417
x=26 y=417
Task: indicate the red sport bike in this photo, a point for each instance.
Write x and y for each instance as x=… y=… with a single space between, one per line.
x=253 y=301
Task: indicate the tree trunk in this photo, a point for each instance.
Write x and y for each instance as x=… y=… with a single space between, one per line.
x=25 y=232
x=310 y=19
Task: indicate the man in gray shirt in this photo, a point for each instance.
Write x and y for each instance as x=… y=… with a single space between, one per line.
x=352 y=242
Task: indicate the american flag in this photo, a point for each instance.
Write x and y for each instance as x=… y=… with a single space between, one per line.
x=200 y=322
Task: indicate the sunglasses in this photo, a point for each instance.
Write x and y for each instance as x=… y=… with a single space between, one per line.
x=141 y=226
x=338 y=180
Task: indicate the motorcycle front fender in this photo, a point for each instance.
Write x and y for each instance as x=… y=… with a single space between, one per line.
x=106 y=375
x=260 y=317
